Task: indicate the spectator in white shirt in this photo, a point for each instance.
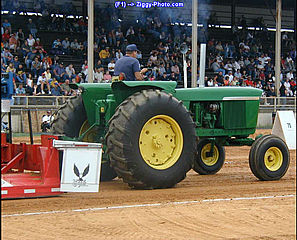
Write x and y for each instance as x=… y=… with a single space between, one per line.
x=288 y=88
x=119 y=54
x=262 y=60
x=153 y=58
x=290 y=75
x=84 y=68
x=110 y=67
x=70 y=72
x=210 y=83
x=235 y=65
x=41 y=81
x=118 y=33
x=48 y=75
x=166 y=47
x=31 y=41
x=230 y=76
x=228 y=66
x=29 y=85
x=267 y=59
x=285 y=39
x=98 y=75
x=46 y=120
x=241 y=63
x=219 y=58
x=290 y=63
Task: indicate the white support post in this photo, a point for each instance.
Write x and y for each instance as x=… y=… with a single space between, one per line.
x=278 y=46
x=185 y=71
x=202 y=64
x=194 y=42
x=90 y=40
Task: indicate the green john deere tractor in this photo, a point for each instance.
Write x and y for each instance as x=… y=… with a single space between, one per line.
x=153 y=133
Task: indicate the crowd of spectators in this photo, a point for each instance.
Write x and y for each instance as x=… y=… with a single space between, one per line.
x=245 y=61
x=248 y=63
x=34 y=70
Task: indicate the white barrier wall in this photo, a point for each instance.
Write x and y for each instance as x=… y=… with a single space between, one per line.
x=16 y=122
x=20 y=121
x=265 y=120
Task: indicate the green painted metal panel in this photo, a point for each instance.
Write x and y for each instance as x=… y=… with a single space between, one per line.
x=92 y=92
x=215 y=93
x=234 y=114
x=124 y=89
x=166 y=86
x=240 y=114
x=216 y=132
x=252 y=110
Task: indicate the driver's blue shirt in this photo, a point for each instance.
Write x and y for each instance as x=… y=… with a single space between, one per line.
x=128 y=66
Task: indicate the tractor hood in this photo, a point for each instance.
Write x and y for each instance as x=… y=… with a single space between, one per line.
x=218 y=94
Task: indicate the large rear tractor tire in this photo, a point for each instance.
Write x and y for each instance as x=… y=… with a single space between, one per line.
x=151 y=140
x=205 y=164
x=269 y=158
x=71 y=120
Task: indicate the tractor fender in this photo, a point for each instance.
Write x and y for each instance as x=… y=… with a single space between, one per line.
x=124 y=89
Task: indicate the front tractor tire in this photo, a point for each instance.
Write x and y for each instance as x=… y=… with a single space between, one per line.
x=269 y=158
x=205 y=163
x=71 y=121
x=151 y=140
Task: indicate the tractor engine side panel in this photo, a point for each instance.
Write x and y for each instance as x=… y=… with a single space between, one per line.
x=240 y=114
x=91 y=94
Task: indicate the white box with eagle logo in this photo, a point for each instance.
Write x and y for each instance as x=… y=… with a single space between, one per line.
x=81 y=166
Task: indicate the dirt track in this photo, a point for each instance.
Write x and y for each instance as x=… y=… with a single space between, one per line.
x=271 y=218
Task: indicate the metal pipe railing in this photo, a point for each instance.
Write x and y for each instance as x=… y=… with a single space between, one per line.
x=54 y=102
x=276 y=103
x=39 y=101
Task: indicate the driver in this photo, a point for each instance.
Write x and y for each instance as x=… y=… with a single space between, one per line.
x=129 y=66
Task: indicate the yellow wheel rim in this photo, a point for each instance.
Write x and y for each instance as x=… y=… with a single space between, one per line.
x=90 y=136
x=161 y=142
x=273 y=159
x=209 y=161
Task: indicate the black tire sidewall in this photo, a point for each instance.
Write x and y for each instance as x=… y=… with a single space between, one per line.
x=203 y=168
x=107 y=173
x=260 y=153
x=174 y=109
x=76 y=118
x=252 y=156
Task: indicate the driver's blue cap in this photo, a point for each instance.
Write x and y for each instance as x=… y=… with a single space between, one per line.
x=131 y=47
